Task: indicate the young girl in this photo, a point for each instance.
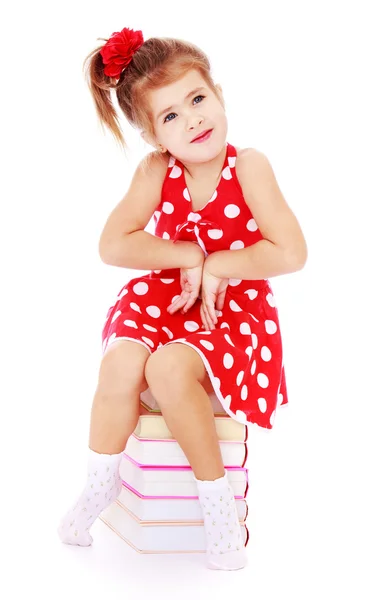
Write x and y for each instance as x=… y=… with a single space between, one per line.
x=204 y=319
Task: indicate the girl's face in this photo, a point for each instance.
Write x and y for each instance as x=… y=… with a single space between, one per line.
x=183 y=110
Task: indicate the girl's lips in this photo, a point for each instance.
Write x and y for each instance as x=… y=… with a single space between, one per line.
x=203 y=138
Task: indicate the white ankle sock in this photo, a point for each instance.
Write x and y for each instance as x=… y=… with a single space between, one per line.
x=102 y=488
x=225 y=547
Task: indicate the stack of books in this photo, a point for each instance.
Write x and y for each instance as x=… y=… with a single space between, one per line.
x=158 y=510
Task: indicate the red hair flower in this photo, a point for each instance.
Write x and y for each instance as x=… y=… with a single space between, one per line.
x=117 y=53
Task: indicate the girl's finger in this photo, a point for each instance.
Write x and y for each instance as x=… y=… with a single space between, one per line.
x=206 y=318
x=210 y=308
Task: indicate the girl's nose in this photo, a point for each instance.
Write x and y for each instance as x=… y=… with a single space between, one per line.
x=194 y=122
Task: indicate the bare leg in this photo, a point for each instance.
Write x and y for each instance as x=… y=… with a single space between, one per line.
x=173 y=377
x=114 y=416
x=188 y=413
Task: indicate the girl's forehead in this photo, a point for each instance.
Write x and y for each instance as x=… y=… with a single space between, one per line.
x=177 y=90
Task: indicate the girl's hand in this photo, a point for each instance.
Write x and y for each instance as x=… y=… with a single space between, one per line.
x=213 y=295
x=191 y=280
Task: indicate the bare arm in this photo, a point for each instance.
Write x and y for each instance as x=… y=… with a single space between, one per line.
x=124 y=243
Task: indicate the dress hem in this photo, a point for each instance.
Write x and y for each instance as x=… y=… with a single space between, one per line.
x=217 y=390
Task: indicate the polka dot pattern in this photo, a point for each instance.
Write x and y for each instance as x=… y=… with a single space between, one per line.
x=243 y=354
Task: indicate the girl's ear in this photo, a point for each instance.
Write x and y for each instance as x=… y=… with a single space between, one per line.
x=148 y=139
x=152 y=142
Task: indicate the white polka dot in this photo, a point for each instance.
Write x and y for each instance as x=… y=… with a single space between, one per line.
x=253 y=367
x=148 y=341
x=193 y=217
x=270 y=299
x=241 y=416
x=167 y=208
x=215 y=234
x=262 y=380
x=249 y=351
x=186 y=194
x=116 y=315
x=245 y=328
x=122 y=293
x=266 y=354
x=214 y=196
x=168 y=333
x=252 y=225
x=171 y=161
x=111 y=339
x=244 y=393
x=228 y=360
x=158 y=271
x=253 y=317
x=238 y=245
x=224 y=326
x=165 y=236
x=234 y=307
x=149 y=327
x=231 y=211
x=254 y=341
x=262 y=405
x=239 y=378
x=234 y=282
x=130 y=323
x=153 y=311
x=175 y=172
x=252 y=294
x=175 y=298
x=135 y=307
x=191 y=326
x=270 y=326
x=206 y=344
x=272 y=417
x=228 y=339
x=167 y=280
x=231 y=161
x=227 y=173
x=227 y=401
x=140 y=288
x=157 y=214
x=280 y=398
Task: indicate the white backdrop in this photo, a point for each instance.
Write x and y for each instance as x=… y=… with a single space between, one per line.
x=300 y=80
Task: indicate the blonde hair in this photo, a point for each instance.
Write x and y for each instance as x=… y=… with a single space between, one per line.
x=158 y=62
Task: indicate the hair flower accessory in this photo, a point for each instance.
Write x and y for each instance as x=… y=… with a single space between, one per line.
x=118 y=51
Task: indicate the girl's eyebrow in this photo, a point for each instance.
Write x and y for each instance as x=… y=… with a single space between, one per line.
x=198 y=89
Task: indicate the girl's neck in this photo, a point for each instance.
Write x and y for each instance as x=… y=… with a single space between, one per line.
x=211 y=169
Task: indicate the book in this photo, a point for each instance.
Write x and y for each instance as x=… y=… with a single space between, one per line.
x=158 y=537
x=152 y=426
x=149 y=401
x=148 y=451
x=156 y=508
x=174 y=481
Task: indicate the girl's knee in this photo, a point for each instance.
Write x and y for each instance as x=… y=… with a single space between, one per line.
x=122 y=368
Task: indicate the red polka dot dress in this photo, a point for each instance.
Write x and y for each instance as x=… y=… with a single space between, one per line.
x=243 y=354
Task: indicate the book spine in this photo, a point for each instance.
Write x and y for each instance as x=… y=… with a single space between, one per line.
x=174 y=467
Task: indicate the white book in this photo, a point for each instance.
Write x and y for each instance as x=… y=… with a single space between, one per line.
x=169 y=452
x=152 y=425
x=157 y=538
x=151 y=509
x=174 y=481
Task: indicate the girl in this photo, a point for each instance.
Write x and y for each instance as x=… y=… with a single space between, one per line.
x=204 y=319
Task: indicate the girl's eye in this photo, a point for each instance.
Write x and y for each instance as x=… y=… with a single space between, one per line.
x=166 y=120
x=167 y=116
x=198 y=97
